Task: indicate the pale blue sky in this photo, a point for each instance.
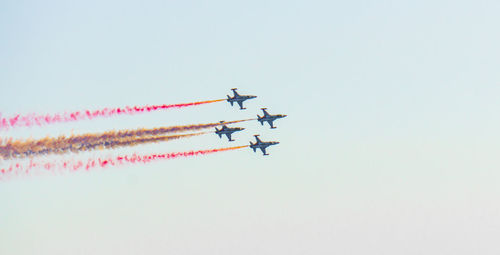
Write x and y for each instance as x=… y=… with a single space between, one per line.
x=391 y=145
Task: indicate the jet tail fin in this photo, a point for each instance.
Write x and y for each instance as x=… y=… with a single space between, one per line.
x=217 y=131
x=260 y=119
x=253 y=148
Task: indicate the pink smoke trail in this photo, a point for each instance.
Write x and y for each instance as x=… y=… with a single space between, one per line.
x=33 y=119
x=91 y=163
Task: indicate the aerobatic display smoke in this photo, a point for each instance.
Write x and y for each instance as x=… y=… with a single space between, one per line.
x=56 y=145
x=40 y=119
x=138 y=141
x=74 y=165
x=60 y=148
x=30 y=157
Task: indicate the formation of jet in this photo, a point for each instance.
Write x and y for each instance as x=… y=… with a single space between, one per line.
x=225 y=130
x=228 y=131
x=269 y=118
x=239 y=98
x=261 y=145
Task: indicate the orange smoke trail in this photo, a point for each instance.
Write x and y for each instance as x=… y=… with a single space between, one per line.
x=40 y=120
x=60 y=148
x=74 y=165
x=122 y=142
x=49 y=145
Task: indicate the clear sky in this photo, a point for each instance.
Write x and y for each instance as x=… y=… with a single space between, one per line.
x=391 y=145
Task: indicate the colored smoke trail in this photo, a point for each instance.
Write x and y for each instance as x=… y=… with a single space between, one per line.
x=127 y=141
x=40 y=120
x=60 y=148
x=50 y=145
x=74 y=165
x=164 y=130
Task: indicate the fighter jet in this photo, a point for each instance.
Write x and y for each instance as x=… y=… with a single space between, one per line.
x=269 y=118
x=238 y=99
x=225 y=130
x=261 y=145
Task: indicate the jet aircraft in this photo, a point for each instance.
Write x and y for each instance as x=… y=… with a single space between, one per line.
x=239 y=99
x=225 y=130
x=269 y=118
x=261 y=145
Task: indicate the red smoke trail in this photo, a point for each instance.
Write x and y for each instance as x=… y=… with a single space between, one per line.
x=74 y=165
x=40 y=120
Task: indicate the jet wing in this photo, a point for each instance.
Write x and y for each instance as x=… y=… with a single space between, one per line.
x=270 y=123
x=263 y=150
x=258 y=140
x=228 y=136
x=241 y=104
x=265 y=112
